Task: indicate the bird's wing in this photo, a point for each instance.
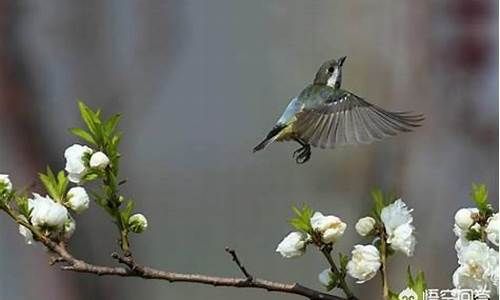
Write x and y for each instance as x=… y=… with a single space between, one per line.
x=289 y=114
x=346 y=119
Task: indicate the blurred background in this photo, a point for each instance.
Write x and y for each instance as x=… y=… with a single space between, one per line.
x=199 y=84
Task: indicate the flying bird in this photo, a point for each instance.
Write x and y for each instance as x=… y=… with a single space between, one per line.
x=326 y=116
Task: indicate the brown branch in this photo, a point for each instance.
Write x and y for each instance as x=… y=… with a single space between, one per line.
x=70 y=263
x=236 y=260
x=135 y=270
x=62 y=255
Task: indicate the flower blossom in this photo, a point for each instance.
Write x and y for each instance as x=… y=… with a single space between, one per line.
x=397 y=221
x=75 y=165
x=6 y=181
x=293 y=245
x=364 y=263
x=492 y=229
x=99 y=160
x=78 y=199
x=331 y=228
x=46 y=212
x=365 y=225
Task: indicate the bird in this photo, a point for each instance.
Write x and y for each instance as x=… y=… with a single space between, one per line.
x=327 y=116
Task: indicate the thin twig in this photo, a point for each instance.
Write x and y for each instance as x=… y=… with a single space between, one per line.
x=232 y=252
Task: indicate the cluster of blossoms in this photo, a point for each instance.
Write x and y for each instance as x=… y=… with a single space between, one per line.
x=477 y=249
x=51 y=215
x=393 y=224
x=328 y=228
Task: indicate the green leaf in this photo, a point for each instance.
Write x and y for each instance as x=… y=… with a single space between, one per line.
x=22 y=206
x=334 y=282
x=62 y=183
x=479 y=195
x=473 y=235
x=343 y=259
x=110 y=125
x=302 y=219
x=417 y=284
x=50 y=183
x=127 y=212
x=87 y=116
x=84 y=135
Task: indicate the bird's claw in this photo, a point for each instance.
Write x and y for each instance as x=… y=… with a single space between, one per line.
x=302 y=154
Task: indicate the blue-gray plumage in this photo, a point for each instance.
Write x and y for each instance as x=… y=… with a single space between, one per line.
x=325 y=115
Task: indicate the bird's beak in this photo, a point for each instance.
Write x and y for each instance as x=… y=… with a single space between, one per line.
x=341 y=60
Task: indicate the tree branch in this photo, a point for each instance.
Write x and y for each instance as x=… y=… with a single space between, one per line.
x=236 y=260
x=63 y=255
x=135 y=270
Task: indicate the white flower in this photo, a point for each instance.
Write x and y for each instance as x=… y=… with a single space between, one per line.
x=492 y=229
x=364 y=263
x=403 y=239
x=99 y=160
x=475 y=270
x=78 y=199
x=395 y=214
x=397 y=220
x=26 y=233
x=4 y=178
x=325 y=277
x=137 y=223
x=293 y=245
x=47 y=212
x=463 y=218
x=462 y=236
x=69 y=228
x=331 y=228
x=365 y=225
x=492 y=271
x=74 y=162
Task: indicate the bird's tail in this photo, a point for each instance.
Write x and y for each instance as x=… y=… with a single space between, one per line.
x=271 y=136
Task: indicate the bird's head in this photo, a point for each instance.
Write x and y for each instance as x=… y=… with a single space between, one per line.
x=330 y=73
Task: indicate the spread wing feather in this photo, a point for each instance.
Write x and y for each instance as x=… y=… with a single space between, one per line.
x=348 y=120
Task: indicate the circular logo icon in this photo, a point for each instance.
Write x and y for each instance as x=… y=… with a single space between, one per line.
x=408 y=294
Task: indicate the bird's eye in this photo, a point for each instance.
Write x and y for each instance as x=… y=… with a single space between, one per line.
x=330 y=70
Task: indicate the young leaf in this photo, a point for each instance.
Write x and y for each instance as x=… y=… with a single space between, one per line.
x=344 y=260
x=417 y=284
x=334 y=282
x=84 y=135
x=479 y=195
x=110 y=125
x=50 y=182
x=86 y=114
x=302 y=221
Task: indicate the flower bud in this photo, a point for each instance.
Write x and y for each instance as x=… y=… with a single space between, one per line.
x=365 y=225
x=325 y=277
x=137 y=223
x=75 y=165
x=99 y=160
x=69 y=228
x=463 y=218
x=331 y=228
x=492 y=229
x=46 y=212
x=5 y=181
x=78 y=199
x=293 y=245
x=25 y=232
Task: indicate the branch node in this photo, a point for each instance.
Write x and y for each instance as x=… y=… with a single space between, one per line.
x=55 y=259
x=232 y=252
